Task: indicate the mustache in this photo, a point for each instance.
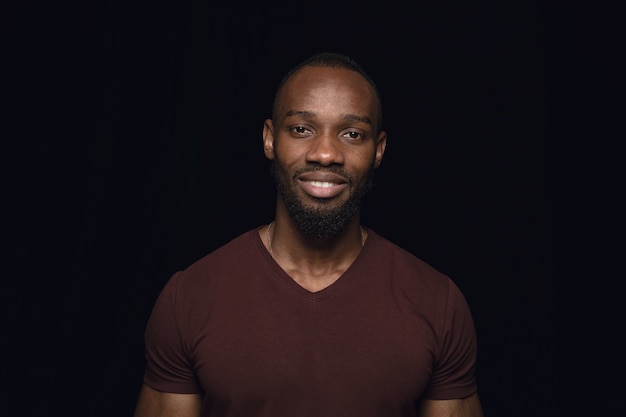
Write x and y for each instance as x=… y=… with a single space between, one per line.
x=330 y=169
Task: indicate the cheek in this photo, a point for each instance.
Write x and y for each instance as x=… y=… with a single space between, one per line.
x=365 y=160
x=285 y=153
x=283 y=171
x=366 y=168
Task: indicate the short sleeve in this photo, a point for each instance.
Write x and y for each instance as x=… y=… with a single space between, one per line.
x=168 y=365
x=453 y=374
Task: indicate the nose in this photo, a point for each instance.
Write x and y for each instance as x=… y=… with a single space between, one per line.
x=326 y=150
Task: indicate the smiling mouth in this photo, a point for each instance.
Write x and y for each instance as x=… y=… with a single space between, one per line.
x=323 y=189
x=322 y=184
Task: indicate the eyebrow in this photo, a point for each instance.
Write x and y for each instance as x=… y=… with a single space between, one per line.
x=355 y=118
x=302 y=113
x=345 y=117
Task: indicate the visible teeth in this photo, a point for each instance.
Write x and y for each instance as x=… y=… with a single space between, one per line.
x=322 y=184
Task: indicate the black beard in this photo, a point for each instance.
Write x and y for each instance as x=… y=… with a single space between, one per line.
x=320 y=222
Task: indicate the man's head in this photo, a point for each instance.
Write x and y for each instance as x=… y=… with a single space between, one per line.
x=331 y=60
x=325 y=140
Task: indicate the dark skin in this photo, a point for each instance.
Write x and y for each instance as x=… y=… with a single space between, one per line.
x=324 y=116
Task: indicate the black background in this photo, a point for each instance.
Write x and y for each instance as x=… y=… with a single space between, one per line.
x=136 y=149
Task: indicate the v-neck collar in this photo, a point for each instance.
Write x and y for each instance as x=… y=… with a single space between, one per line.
x=348 y=276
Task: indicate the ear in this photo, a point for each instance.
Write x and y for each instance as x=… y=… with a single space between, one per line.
x=268 y=139
x=381 y=144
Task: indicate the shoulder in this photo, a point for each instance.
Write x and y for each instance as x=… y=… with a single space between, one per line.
x=404 y=265
x=211 y=281
x=428 y=290
x=229 y=255
x=229 y=260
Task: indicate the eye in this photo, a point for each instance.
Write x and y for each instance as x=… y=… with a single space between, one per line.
x=300 y=131
x=353 y=135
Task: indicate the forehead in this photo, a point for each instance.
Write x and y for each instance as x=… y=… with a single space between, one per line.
x=328 y=88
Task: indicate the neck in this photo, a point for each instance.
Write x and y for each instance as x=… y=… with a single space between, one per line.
x=313 y=263
x=270 y=234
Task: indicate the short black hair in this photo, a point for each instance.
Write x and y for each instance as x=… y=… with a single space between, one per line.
x=330 y=60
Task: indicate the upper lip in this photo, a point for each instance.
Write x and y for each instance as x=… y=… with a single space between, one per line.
x=322 y=176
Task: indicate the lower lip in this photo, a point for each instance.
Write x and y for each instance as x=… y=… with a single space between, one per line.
x=322 y=192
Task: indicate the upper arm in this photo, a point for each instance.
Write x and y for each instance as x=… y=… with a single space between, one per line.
x=153 y=403
x=463 y=407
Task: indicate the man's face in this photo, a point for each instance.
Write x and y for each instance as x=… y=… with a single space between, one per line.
x=324 y=147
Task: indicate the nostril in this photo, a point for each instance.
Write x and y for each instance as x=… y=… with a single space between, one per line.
x=325 y=151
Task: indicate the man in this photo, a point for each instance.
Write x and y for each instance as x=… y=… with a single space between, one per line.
x=313 y=314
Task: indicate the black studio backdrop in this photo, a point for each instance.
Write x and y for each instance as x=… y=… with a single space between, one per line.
x=141 y=152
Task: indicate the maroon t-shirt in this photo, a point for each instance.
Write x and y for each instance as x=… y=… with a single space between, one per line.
x=237 y=329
